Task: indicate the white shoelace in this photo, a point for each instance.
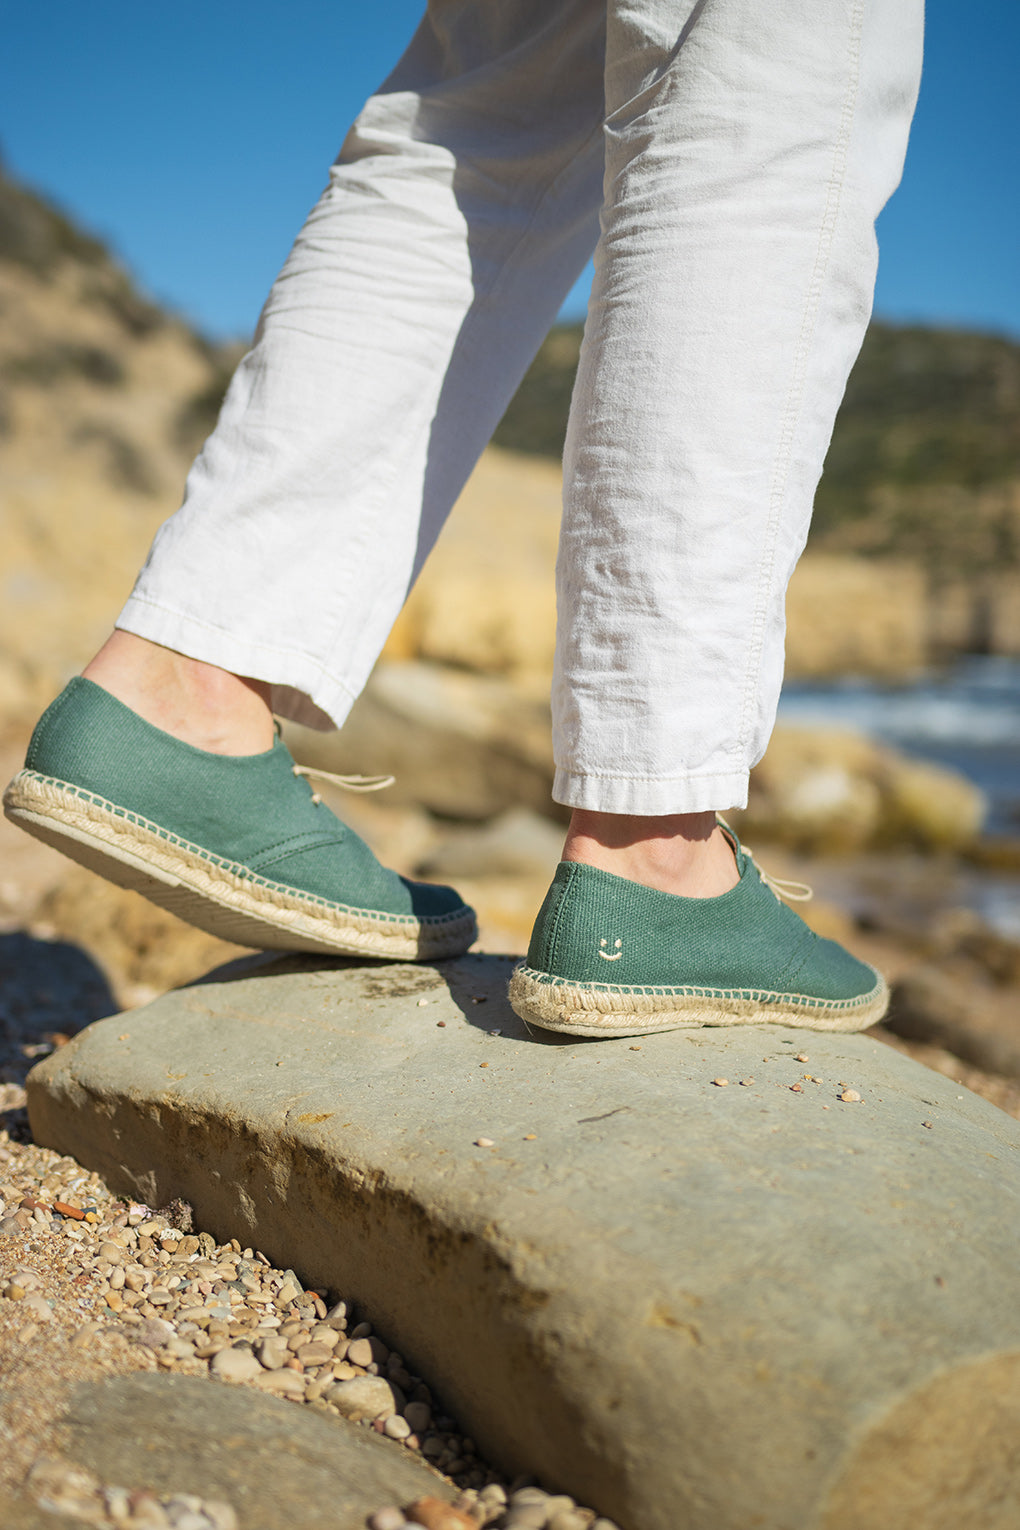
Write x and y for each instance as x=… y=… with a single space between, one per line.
x=793 y=892
x=348 y=783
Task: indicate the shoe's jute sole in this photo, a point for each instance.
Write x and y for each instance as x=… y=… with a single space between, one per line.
x=593 y=1009
x=216 y=895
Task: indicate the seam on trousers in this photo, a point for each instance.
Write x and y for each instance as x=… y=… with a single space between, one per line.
x=690 y=775
x=795 y=397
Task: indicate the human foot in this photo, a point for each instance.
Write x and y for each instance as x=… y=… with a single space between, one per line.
x=198 y=703
x=235 y=844
x=612 y=957
x=684 y=853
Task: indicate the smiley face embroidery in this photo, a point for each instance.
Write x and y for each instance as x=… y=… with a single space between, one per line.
x=615 y=954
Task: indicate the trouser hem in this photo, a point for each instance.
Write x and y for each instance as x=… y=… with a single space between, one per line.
x=301 y=691
x=681 y=794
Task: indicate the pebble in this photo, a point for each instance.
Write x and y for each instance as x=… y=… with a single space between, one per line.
x=530 y=1516
x=155 y=1332
x=235 y=1365
x=558 y=1503
x=272 y=1351
x=850 y=1096
x=389 y=1518
x=437 y=1514
x=38 y=1307
x=720 y=1083
x=281 y=1383
x=365 y=1397
x=484 y=1141
x=419 y=1417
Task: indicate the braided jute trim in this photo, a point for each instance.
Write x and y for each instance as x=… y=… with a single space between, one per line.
x=229 y=884
x=595 y=1009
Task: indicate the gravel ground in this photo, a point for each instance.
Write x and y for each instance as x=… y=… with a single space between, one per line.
x=91 y=1286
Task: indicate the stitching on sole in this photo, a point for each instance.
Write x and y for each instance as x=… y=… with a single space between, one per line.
x=43 y=803
x=557 y=1004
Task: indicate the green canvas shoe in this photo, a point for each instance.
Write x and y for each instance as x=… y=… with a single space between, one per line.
x=238 y=845
x=609 y=957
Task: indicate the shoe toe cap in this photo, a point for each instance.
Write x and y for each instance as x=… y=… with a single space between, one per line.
x=432 y=900
x=832 y=973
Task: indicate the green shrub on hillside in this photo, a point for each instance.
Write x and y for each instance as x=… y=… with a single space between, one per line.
x=925 y=449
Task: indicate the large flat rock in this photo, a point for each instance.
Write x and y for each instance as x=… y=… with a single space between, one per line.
x=279 y=1467
x=685 y=1303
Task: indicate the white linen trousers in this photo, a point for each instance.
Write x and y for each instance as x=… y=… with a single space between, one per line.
x=729 y=159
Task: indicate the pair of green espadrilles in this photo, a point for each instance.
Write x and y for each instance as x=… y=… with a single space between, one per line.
x=242 y=847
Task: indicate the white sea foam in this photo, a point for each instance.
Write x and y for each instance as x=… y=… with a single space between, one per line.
x=976 y=705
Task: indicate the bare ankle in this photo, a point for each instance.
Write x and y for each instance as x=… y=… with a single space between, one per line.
x=196 y=702
x=682 y=853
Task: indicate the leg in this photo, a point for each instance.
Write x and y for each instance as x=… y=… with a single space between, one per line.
x=747 y=157
x=461 y=209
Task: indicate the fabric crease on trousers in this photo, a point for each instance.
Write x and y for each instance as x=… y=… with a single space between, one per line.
x=726 y=162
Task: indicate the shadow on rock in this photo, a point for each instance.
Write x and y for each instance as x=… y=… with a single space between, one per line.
x=477 y=984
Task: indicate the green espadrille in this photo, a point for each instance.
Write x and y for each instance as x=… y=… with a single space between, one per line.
x=236 y=844
x=609 y=957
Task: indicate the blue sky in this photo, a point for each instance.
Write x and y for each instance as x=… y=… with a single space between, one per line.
x=195 y=137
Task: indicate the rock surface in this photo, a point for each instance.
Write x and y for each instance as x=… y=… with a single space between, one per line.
x=766 y=1303
x=277 y=1466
